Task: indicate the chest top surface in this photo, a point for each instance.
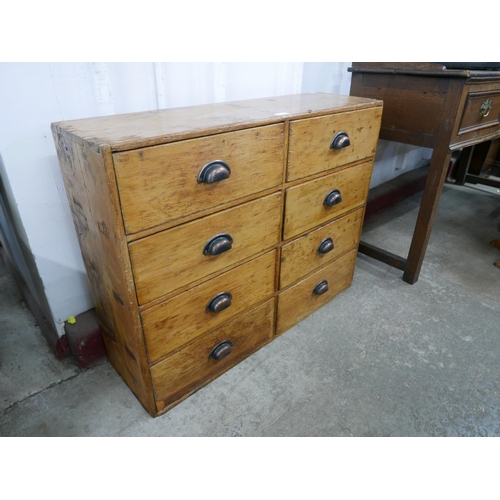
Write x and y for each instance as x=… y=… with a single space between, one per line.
x=136 y=130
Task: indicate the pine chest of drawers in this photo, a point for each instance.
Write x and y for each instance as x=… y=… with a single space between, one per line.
x=206 y=231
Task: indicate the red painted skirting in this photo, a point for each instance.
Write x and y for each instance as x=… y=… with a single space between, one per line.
x=85 y=340
x=386 y=196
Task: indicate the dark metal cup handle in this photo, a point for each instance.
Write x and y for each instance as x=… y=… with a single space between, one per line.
x=340 y=141
x=220 y=302
x=214 y=171
x=321 y=288
x=218 y=244
x=326 y=246
x=333 y=198
x=222 y=350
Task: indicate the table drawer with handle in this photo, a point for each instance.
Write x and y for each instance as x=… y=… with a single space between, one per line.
x=482 y=111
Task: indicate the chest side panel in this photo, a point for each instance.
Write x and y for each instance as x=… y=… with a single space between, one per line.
x=90 y=185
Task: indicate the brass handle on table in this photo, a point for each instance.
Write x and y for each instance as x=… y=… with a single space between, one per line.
x=219 y=302
x=213 y=172
x=321 y=288
x=340 y=141
x=218 y=244
x=222 y=350
x=326 y=246
x=333 y=198
x=486 y=108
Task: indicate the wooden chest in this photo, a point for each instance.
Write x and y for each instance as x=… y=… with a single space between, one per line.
x=208 y=230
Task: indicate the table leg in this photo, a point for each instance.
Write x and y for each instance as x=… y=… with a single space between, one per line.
x=463 y=165
x=428 y=208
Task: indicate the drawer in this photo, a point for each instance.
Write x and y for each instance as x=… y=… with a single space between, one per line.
x=174 y=258
x=309 y=150
x=305 y=206
x=482 y=111
x=300 y=300
x=192 y=367
x=313 y=250
x=186 y=316
x=160 y=184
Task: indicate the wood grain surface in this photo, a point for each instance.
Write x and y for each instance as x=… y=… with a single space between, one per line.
x=171 y=259
x=91 y=189
x=191 y=368
x=473 y=119
x=183 y=318
x=304 y=208
x=301 y=256
x=160 y=184
x=149 y=128
x=299 y=301
x=309 y=149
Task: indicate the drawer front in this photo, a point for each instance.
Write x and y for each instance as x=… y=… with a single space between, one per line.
x=482 y=111
x=317 y=248
x=160 y=184
x=187 y=316
x=192 y=367
x=175 y=258
x=300 y=300
x=309 y=150
x=305 y=206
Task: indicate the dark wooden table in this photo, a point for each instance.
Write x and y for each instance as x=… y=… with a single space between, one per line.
x=430 y=105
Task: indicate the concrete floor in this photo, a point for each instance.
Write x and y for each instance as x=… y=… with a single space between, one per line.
x=383 y=359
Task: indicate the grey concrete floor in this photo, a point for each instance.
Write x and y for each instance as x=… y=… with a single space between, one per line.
x=382 y=359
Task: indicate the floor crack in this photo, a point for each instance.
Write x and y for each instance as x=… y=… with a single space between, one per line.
x=54 y=384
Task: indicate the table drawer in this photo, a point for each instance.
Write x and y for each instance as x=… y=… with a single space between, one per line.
x=169 y=260
x=309 y=150
x=317 y=248
x=482 y=111
x=161 y=183
x=186 y=316
x=305 y=205
x=189 y=369
x=300 y=300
